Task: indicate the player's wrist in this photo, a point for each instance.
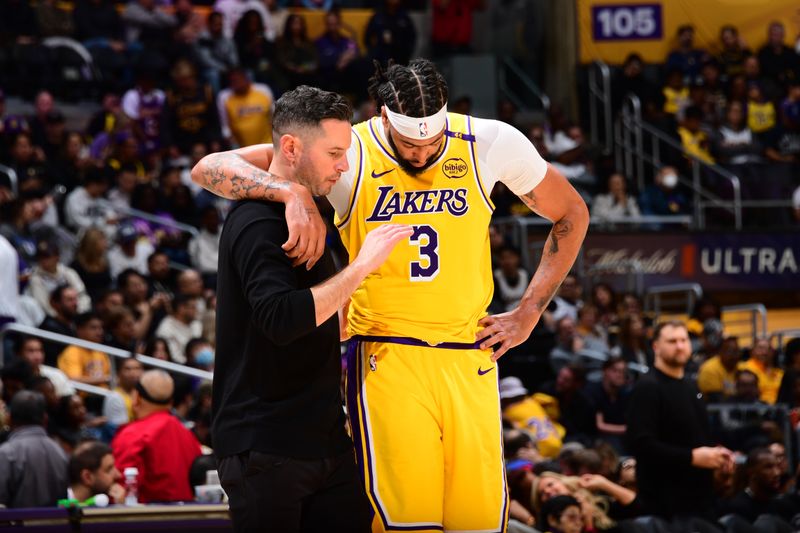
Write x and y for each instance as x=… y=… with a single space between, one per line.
x=529 y=310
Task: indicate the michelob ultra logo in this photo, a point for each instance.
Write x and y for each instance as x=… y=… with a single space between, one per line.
x=455 y=167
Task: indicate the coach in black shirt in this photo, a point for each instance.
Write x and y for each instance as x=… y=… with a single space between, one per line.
x=278 y=428
x=668 y=434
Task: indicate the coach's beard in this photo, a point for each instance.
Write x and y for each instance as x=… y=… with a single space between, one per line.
x=307 y=177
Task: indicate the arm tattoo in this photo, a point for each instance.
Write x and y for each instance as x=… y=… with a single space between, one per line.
x=544 y=300
x=230 y=176
x=561 y=229
x=529 y=199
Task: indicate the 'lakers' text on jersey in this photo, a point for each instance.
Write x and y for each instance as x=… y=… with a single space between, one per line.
x=438 y=285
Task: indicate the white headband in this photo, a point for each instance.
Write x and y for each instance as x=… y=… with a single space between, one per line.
x=419 y=128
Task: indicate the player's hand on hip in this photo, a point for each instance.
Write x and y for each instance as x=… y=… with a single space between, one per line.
x=379 y=243
x=506 y=330
x=307 y=230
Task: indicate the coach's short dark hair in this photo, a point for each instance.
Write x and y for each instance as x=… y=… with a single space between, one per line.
x=666 y=323
x=305 y=107
x=87 y=456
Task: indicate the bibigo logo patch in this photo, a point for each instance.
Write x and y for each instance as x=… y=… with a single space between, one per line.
x=455 y=168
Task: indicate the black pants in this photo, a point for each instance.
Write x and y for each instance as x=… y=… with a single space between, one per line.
x=277 y=494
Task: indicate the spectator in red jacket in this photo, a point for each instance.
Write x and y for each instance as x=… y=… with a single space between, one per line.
x=163 y=469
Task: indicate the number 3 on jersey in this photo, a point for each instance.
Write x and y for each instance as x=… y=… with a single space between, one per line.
x=428 y=241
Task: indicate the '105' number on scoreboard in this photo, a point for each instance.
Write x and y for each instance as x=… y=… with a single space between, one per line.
x=626 y=22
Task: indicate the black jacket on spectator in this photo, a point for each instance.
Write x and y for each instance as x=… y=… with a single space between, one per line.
x=277 y=376
x=781 y=67
x=53 y=349
x=577 y=414
x=748 y=507
x=668 y=419
x=17 y=18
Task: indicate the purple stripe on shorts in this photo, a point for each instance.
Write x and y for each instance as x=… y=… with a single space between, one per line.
x=409 y=341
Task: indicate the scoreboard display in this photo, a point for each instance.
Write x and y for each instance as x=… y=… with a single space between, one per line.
x=611 y=29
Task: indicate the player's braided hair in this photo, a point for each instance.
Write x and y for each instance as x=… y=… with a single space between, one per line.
x=416 y=90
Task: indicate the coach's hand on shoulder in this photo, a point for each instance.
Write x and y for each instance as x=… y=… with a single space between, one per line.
x=506 y=329
x=307 y=230
x=379 y=243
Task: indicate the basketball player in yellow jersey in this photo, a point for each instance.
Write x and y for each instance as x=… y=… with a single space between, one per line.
x=422 y=384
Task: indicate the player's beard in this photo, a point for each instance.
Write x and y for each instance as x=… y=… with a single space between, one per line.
x=406 y=165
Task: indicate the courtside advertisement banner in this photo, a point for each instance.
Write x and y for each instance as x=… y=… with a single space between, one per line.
x=716 y=261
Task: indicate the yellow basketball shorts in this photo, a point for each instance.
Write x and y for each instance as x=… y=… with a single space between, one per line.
x=428 y=437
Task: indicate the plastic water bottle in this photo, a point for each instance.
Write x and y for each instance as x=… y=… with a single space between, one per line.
x=131 y=485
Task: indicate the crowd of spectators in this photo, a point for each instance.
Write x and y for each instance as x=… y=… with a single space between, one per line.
x=567 y=400
x=730 y=105
x=727 y=106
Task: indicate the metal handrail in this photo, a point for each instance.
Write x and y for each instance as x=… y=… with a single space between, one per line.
x=758 y=317
x=110 y=350
x=600 y=91
x=601 y=357
x=634 y=125
x=12 y=177
x=643 y=219
x=779 y=335
x=534 y=89
x=693 y=292
x=151 y=217
x=724 y=410
x=91 y=389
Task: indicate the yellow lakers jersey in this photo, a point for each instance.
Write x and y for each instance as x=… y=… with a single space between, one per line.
x=437 y=285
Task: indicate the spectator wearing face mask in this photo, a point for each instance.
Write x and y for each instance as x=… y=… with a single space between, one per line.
x=663 y=197
x=200 y=354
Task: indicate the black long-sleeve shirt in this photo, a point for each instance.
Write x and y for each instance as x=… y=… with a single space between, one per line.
x=666 y=420
x=277 y=376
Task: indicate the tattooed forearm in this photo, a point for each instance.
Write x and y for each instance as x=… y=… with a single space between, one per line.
x=544 y=299
x=230 y=176
x=561 y=229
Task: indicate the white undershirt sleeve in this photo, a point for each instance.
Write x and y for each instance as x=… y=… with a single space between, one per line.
x=339 y=196
x=507 y=156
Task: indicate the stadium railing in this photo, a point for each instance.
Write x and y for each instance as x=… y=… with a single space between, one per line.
x=778 y=339
x=600 y=100
x=678 y=298
x=631 y=135
x=144 y=215
x=90 y=389
x=11 y=174
x=732 y=416
x=748 y=321
x=110 y=350
x=510 y=75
